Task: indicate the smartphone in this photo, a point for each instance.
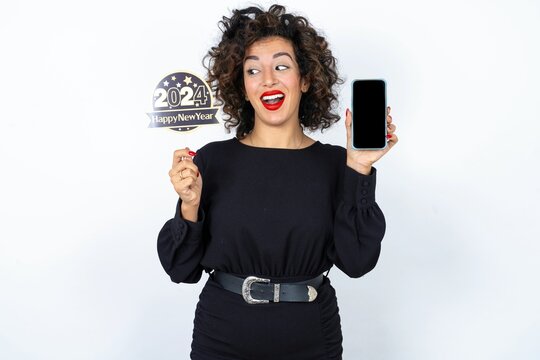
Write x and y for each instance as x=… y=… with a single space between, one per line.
x=369 y=114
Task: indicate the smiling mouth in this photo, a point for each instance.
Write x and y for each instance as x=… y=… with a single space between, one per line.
x=272 y=100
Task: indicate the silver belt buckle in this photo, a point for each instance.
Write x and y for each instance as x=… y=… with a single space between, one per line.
x=312 y=293
x=246 y=290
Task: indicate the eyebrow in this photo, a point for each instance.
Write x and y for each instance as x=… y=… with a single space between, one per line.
x=276 y=55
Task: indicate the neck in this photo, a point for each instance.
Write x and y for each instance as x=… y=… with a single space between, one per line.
x=272 y=137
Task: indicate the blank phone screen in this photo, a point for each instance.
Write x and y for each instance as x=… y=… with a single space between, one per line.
x=369 y=114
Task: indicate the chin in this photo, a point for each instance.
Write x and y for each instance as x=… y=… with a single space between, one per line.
x=273 y=118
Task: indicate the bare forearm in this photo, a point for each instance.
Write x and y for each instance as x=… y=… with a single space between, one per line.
x=189 y=212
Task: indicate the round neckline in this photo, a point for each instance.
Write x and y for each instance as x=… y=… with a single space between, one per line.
x=269 y=148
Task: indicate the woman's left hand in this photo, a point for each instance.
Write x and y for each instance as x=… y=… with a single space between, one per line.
x=362 y=160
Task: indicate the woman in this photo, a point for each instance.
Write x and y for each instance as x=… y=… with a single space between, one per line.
x=277 y=208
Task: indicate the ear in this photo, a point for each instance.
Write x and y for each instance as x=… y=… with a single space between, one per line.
x=304 y=87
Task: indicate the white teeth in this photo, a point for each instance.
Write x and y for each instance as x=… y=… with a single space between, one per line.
x=272 y=97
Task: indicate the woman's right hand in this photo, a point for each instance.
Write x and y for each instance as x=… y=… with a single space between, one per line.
x=186 y=179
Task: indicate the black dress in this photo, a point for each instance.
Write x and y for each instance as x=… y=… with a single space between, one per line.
x=282 y=214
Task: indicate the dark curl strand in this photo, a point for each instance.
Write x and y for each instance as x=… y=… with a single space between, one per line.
x=316 y=62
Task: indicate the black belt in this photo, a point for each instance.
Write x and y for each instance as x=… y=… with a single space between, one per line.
x=256 y=290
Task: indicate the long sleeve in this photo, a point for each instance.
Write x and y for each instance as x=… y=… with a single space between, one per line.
x=181 y=245
x=359 y=225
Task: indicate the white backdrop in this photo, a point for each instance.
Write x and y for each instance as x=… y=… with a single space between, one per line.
x=85 y=190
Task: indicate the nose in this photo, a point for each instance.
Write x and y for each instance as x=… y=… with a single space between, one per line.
x=269 y=79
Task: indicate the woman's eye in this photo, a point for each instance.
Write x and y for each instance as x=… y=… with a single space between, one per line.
x=252 y=71
x=282 y=67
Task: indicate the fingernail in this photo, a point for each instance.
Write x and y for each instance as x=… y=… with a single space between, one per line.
x=347 y=112
x=192 y=153
x=197 y=173
x=388 y=136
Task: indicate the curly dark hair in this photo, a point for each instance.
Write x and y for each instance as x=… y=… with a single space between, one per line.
x=316 y=62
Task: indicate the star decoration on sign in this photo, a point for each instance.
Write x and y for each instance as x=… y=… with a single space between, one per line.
x=165 y=83
x=187 y=80
x=173 y=78
x=178 y=85
x=195 y=85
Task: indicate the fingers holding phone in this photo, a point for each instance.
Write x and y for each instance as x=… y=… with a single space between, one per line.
x=390 y=129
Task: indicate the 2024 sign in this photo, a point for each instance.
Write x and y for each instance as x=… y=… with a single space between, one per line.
x=182 y=101
x=175 y=97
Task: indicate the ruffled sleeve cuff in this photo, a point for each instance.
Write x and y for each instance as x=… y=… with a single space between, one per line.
x=359 y=188
x=188 y=230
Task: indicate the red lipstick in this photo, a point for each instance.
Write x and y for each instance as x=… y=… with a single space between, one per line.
x=272 y=100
